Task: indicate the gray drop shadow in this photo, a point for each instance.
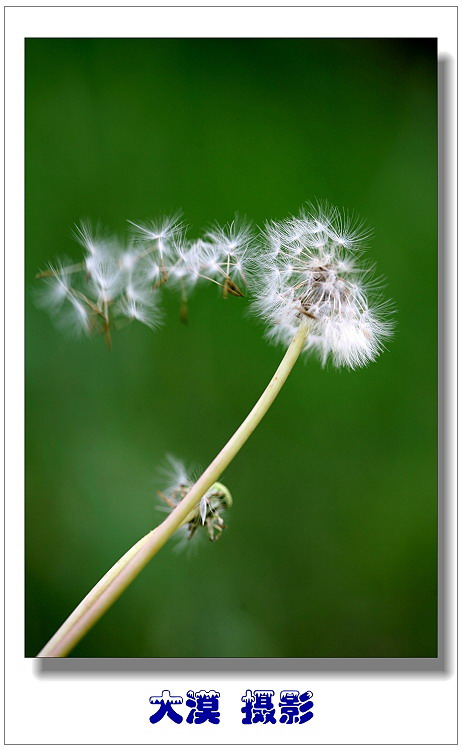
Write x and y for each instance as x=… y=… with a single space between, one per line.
x=447 y=366
x=72 y=668
x=350 y=668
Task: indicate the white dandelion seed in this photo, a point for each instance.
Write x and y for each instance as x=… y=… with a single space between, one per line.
x=184 y=270
x=134 y=308
x=56 y=286
x=75 y=317
x=106 y=279
x=159 y=234
x=233 y=244
x=95 y=242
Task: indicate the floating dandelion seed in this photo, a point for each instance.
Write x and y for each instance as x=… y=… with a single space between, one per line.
x=56 y=287
x=233 y=244
x=159 y=234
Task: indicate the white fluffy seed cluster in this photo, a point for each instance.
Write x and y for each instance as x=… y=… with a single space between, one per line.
x=307 y=269
x=116 y=283
x=303 y=268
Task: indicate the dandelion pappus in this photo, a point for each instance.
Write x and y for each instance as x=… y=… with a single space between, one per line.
x=208 y=511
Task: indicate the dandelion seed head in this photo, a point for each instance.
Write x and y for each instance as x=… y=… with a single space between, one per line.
x=315 y=276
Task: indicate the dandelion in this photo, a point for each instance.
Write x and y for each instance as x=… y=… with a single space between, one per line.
x=308 y=270
x=309 y=286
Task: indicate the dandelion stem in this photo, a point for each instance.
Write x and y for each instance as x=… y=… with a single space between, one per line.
x=125 y=570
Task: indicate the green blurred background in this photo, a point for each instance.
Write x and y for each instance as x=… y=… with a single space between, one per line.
x=331 y=546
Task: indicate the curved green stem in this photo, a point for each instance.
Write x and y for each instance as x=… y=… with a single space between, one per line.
x=117 y=579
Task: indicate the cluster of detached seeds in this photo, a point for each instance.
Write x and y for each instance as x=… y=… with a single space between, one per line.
x=304 y=268
x=116 y=283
